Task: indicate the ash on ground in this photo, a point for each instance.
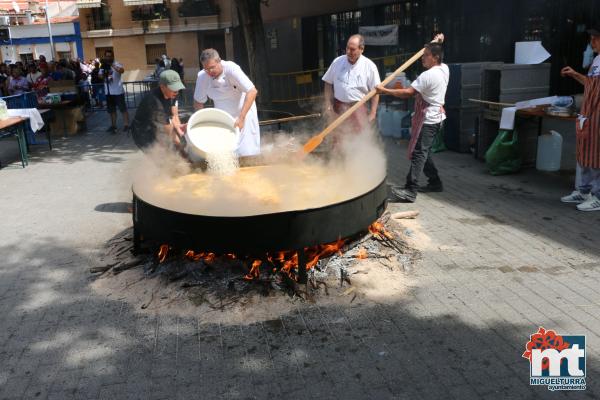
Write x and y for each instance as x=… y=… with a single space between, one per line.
x=372 y=264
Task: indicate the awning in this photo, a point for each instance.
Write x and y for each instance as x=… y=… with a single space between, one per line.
x=141 y=2
x=88 y=3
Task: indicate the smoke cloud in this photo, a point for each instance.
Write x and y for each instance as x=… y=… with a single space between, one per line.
x=337 y=172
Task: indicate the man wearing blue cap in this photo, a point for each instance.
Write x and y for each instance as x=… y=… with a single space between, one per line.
x=157 y=116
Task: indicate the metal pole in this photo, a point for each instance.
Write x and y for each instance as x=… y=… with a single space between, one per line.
x=50 y=33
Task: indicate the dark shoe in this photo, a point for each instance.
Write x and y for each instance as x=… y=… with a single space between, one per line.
x=126 y=128
x=404 y=195
x=438 y=187
x=112 y=130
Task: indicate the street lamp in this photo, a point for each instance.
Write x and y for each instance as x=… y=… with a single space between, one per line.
x=50 y=32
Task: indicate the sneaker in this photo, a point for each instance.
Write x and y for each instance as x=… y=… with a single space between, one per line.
x=404 y=195
x=430 y=188
x=591 y=204
x=112 y=130
x=126 y=128
x=575 y=197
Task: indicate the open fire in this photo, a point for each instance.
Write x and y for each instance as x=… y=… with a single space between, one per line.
x=221 y=279
x=285 y=262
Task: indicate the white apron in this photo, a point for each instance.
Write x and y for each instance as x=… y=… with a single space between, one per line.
x=230 y=99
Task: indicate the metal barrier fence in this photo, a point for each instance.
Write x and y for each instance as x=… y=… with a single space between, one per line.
x=307 y=85
x=94 y=95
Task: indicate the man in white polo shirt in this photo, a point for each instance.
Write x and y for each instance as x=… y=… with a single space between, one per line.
x=429 y=90
x=349 y=78
x=232 y=91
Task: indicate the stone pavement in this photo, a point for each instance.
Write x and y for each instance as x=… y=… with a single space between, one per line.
x=501 y=257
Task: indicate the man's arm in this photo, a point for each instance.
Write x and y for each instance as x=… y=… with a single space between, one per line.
x=328 y=93
x=570 y=72
x=402 y=93
x=175 y=121
x=374 y=104
x=119 y=68
x=248 y=101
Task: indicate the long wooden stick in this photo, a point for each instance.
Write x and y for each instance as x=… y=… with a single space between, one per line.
x=289 y=119
x=315 y=141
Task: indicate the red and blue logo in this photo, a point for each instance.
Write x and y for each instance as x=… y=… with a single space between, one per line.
x=556 y=361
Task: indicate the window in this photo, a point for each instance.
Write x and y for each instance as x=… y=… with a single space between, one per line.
x=101 y=50
x=26 y=58
x=150 y=12
x=154 y=51
x=64 y=55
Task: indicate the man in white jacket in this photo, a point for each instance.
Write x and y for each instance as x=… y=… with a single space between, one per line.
x=232 y=91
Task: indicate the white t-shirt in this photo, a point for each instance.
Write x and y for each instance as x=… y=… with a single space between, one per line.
x=228 y=91
x=595 y=67
x=432 y=85
x=112 y=84
x=351 y=82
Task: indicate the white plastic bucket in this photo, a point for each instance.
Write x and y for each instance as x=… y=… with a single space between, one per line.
x=208 y=118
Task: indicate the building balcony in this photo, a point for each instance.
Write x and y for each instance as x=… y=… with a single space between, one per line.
x=95 y=24
x=150 y=13
x=198 y=8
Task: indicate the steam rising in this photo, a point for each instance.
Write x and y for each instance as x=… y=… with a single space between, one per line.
x=164 y=179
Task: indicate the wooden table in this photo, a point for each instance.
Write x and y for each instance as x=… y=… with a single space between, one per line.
x=13 y=126
x=540 y=114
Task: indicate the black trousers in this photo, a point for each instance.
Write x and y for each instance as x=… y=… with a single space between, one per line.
x=421 y=161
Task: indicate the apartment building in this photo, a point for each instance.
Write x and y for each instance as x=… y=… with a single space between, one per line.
x=24 y=34
x=140 y=31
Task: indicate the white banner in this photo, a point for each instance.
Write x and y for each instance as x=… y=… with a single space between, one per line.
x=383 y=35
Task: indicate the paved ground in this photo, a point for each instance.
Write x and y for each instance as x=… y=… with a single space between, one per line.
x=501 y=256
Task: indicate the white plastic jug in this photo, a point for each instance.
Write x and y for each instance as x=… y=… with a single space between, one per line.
x=385 y=121
x=3 y=110
x=549 y=151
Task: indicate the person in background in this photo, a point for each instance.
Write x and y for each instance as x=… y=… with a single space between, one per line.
x=587 y=179
x=160 y=67
x=4 y=77
x=175 y=66
x=167 y=61
x=33 y=74
x=41 y=84
x=232 y=91
x=67 y=73
x=429 y=90
x=18 y=84
x=351 y=77
x=111 y=72
x=157 y=116
x=55 y=73
x=98 y=93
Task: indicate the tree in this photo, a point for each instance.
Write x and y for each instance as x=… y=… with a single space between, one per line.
x=254 y=35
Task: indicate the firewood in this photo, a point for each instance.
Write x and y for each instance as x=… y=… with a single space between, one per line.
x=125 y=265
x=406 y=214
x=96 y=270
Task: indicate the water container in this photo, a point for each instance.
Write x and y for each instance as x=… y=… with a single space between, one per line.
x=396 y=123
x=3 y=110
x=208 y=117
x=549 y=152
x=385 y=122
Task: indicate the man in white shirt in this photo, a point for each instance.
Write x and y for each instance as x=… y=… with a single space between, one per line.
x=429 y=90
x=587 y=179
x=349 y=78
x=232 y=91
x=111 y=72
